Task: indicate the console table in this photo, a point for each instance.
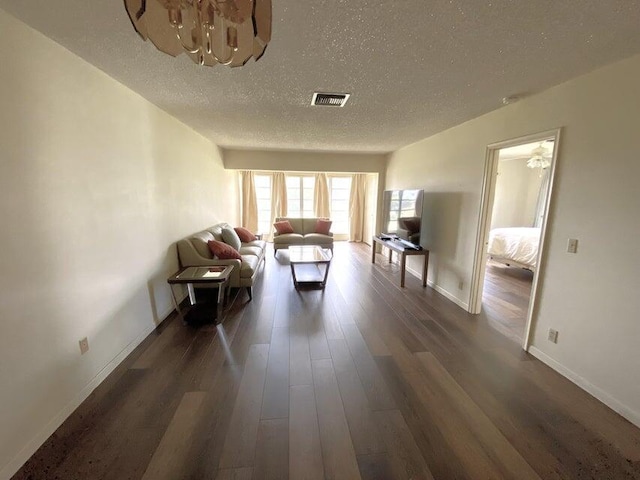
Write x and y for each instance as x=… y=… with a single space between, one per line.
x=403 y=252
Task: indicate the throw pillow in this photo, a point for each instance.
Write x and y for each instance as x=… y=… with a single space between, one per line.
x=245 y=235
x=223 y=251
x=283 y=227
x=323 y=226
x=231 y=238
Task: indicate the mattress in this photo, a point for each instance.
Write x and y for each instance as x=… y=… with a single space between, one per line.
x=519 y=244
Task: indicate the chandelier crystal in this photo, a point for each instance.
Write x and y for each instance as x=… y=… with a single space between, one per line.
x=211 y=32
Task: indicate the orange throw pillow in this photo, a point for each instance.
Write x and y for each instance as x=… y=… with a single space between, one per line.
x=223 y=251
x=283 y=227
x=245 y=235
x=323 y=226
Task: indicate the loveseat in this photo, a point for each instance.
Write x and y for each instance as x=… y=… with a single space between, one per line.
x=193 y=251
x=304 y=233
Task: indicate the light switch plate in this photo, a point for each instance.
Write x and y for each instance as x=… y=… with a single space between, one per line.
x=572 y=245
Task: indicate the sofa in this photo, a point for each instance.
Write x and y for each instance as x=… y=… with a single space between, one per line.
x=193 y=251
x=304 y=234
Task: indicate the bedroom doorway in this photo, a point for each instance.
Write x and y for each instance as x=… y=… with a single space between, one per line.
x=515 y=200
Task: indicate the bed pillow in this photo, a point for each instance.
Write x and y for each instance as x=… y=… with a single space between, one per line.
x=223 y=251
x=230 y=237
x=323 y=226
x=283 y=226
x=245 y=235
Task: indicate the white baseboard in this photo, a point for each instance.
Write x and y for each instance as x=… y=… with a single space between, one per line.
x=449 y=296
x=626 y=412
x=36 y=442
x=440 y=290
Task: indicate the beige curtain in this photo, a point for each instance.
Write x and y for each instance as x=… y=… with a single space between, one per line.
x=249 y=202
x=357 y=201
x=321 y=202
x=278 y=199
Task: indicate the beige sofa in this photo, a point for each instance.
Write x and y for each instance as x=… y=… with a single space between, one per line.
x=194 y=251
x=304 y=234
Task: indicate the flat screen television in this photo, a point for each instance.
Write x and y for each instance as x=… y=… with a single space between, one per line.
x=402 y=214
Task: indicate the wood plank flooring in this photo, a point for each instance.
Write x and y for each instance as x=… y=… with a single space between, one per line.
x=505 y=298
x=363 y=380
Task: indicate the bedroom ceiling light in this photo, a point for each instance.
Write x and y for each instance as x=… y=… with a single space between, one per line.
x=211 y=32
x=540 y=157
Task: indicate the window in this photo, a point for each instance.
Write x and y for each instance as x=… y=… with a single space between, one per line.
x=340 y=190
x=263 y=196
x=300 y=191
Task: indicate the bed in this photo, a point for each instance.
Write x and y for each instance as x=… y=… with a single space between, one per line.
x=516 y=246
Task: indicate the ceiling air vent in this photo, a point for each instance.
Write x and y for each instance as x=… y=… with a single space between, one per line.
x=330 y=99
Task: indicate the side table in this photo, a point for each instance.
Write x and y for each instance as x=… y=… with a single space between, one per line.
x=214 y=276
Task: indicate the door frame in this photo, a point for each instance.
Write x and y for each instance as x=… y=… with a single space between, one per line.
x=484 y=222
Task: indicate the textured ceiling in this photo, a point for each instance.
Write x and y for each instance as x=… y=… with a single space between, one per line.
x=413 y=67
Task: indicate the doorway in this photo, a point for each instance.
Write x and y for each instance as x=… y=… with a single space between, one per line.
x=516 y=194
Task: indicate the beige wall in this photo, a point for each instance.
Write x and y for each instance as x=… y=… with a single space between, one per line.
x=301 y=161
x=590 y=297
x=517 y=188
x=95 y=186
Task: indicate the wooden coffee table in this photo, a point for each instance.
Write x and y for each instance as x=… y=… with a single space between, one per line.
x=310 y=257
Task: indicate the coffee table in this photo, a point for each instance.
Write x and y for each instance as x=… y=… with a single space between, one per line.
x=312 y=256
x=214 y=276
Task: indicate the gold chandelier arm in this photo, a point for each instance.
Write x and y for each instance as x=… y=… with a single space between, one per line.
x=211 y=52
x=188 y=49
x=220 y=61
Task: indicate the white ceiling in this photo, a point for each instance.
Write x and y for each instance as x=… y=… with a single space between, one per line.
x=413 y=67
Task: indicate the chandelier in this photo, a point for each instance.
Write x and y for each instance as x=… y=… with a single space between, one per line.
x=540 y=157
x=211 y=32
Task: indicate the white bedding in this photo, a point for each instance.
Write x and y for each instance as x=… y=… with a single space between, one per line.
x=518 y=244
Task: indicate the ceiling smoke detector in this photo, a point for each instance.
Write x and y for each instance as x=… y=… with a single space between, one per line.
x=330 y=99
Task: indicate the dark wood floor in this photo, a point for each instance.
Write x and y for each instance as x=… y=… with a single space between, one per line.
x=505 y=298
x=363 y=380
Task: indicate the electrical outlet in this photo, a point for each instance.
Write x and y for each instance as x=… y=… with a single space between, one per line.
x=553 y=335
x=84 y=345
x=572 y=245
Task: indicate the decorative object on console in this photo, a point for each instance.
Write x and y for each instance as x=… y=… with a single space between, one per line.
x=323 y=226
x=245 y=235
x=223 y=251
x=211 y=32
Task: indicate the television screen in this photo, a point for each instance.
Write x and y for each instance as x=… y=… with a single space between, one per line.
x=402 y=214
